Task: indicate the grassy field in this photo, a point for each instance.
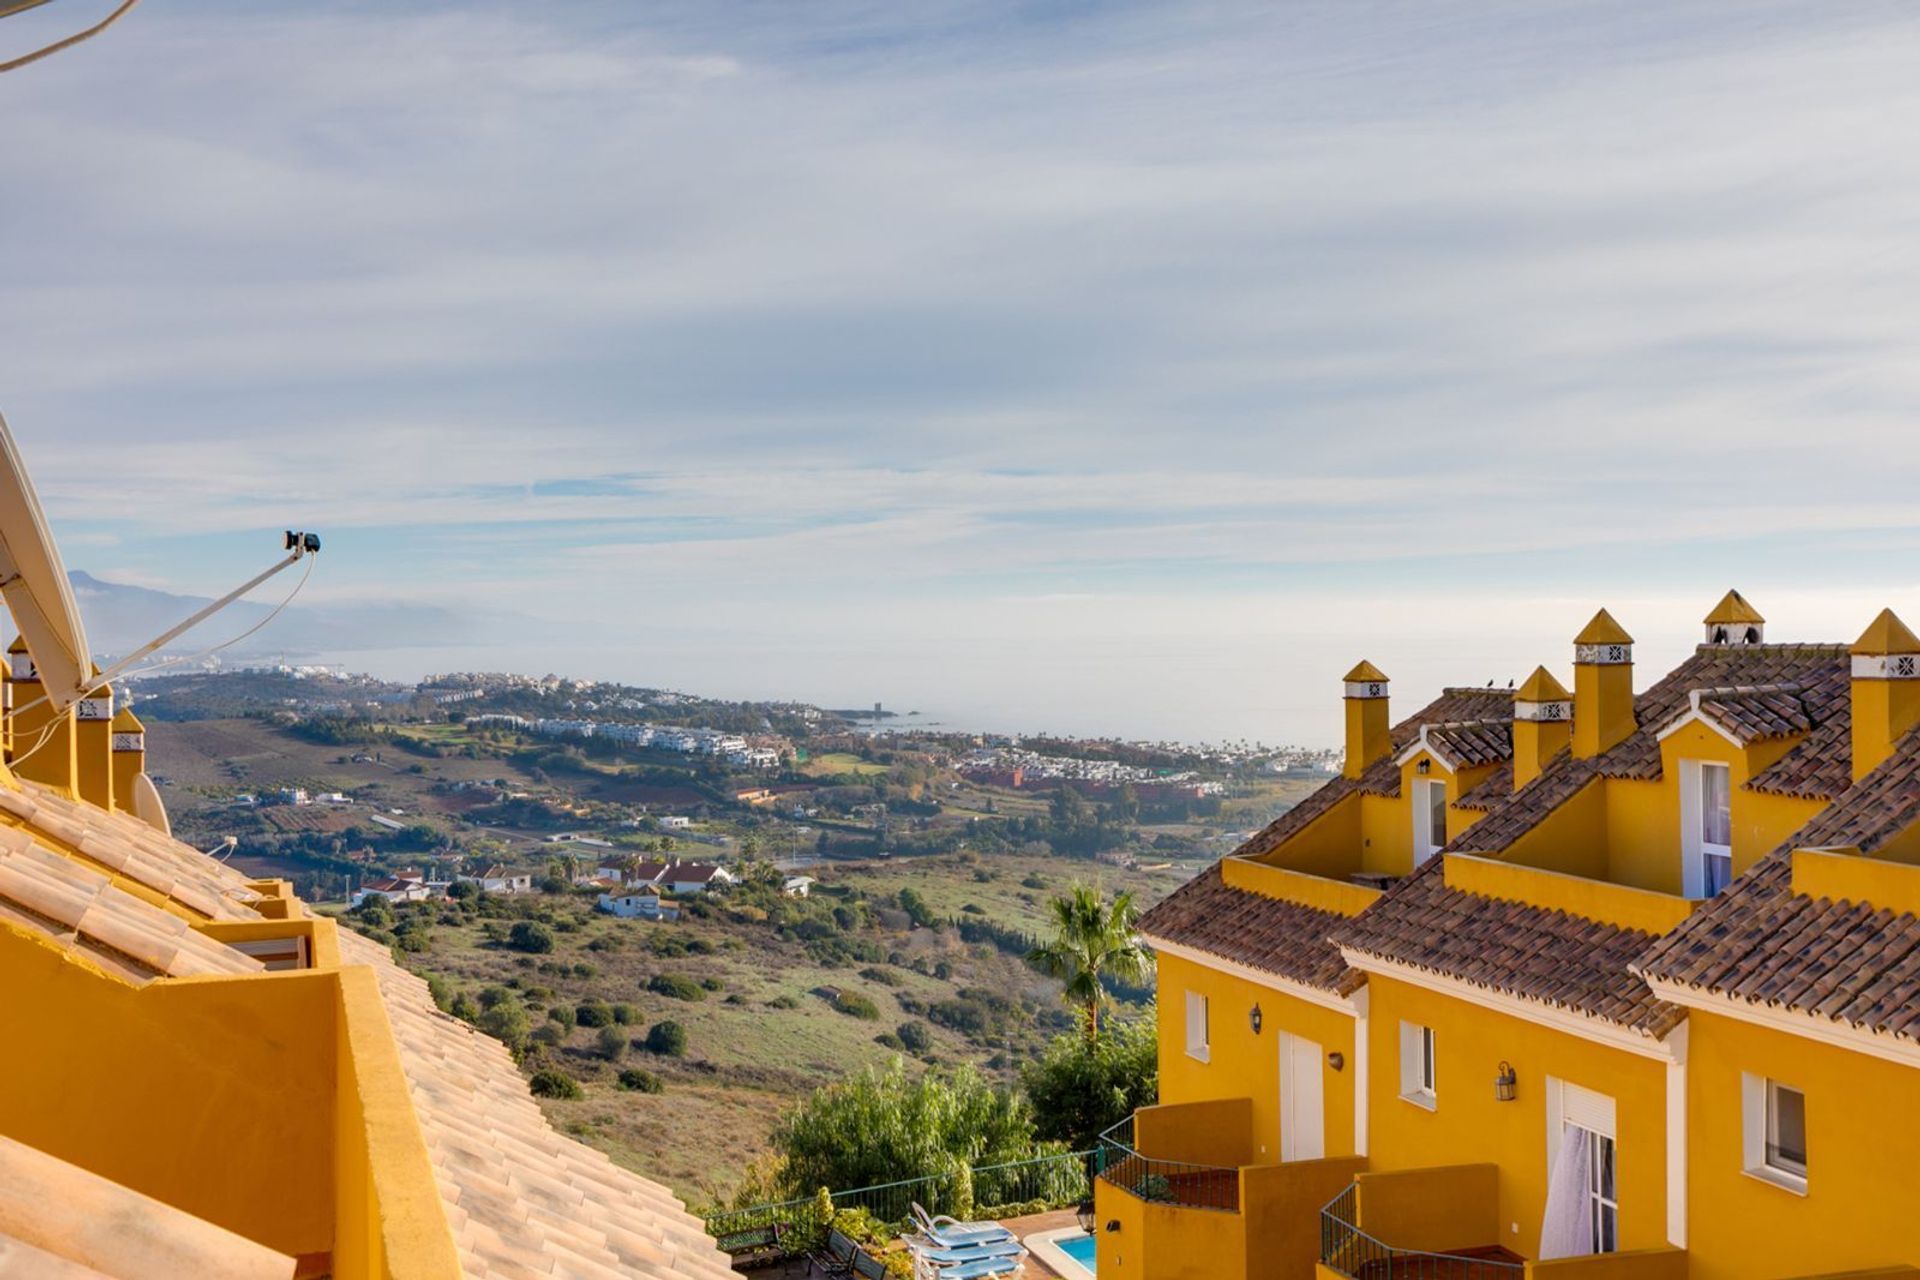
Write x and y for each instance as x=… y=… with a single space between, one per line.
x=839 y=764
x=765 y=1033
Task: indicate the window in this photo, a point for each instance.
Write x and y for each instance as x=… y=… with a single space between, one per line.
x=1603 y=1200
x=1197 y=1043
x=1429 y=818
x=1583 y=1198
x=1775 y=1123
x=1706 y=827
x=1417 y=1064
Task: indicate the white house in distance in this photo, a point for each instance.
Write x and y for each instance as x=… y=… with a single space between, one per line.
x=675 y=877
x=797 y=886
x=497 y=879
x=674 y=822
x=405 y=888
x=638 y=905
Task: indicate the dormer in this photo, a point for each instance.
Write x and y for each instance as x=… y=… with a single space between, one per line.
x=1734 y=622
x=1542 y=724
x=1602 y=686
x=1885 y=689
x=1369 y=733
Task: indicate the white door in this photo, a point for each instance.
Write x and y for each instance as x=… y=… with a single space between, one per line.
x=1429 y=818
x=1303 y=1133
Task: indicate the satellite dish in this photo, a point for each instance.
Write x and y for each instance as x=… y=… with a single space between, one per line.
x=148 y=806
x=35 y=586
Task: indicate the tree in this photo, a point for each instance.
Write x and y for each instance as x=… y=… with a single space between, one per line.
x=1091 y=941
x=1080 y=1088
x=506 y=1023
x=613 y=1043
x=882 y=1125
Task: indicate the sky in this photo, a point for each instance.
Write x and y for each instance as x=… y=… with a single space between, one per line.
x=1092 y=368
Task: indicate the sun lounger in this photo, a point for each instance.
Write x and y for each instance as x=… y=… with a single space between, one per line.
x=949 y=1233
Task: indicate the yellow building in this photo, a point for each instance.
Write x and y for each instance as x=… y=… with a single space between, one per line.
x=201 y=1078
x=1585 y=984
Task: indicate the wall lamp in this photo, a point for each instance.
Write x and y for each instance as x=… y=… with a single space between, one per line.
x=1254 y=1019
x=1504 y=1083
x=1425 y=766
x=1337 y=1060
x=1113 y=1224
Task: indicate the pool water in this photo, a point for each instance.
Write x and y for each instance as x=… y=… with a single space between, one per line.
x=1080 y=1249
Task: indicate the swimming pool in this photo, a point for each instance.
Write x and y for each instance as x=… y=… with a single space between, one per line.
x=1069 y=1251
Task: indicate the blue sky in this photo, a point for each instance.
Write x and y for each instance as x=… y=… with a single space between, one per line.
x=1109 y=367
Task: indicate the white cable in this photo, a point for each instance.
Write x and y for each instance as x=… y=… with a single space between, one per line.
x=46 y=733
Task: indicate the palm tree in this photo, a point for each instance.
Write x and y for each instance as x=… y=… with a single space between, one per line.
x=1092 y=940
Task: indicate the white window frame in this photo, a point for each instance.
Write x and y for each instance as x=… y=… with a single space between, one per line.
x=1419 y=1065
x=1199 y=1038
x=1570 y=1104
x=1694 y=847
x=1757 y=1094
x=1425 y=843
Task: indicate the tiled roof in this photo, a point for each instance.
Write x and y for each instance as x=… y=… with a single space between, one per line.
x=1565 y=961
x=1759 y=941
x=1382 y=778
x=58 y=1221
x=1755 y=712
x=60 y=898
x=1492 y=789
x=1820 y=671
x=523 y=1200
x=1818 y=767
x=1268 y=934
x=130 y=848
x=1464 y=744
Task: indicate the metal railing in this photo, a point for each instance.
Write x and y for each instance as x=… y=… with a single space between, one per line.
x=1349 y=1251
x=1177 y=1182
x=999 y=1190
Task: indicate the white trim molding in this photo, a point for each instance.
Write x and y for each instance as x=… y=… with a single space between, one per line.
x=1886 y=666
x=1677 y=1137
x=1602 y=655
x=1362 y=1068
x=1272 y=981
x=1598 y=1030
x=1366 y=688
x=1877 y=1044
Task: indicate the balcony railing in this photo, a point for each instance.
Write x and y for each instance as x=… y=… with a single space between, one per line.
x=1175 y=1182
x=1349 y=1251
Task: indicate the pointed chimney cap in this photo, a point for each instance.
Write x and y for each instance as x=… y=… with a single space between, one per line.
x=1541 y=687
x=1886 y=634
x=1365 y=672
x=1733 y=610
x=124 y=721
x=1603 y=630
x=19 y=645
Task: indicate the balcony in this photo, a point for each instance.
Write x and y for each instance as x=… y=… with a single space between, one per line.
x=1178 y=1197
x=1439 y=1224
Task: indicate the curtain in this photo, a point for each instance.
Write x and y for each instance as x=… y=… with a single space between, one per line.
x=1567 y=1231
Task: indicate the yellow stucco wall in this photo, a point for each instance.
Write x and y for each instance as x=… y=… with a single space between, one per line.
x=1327 y=846
x=1274 y=1236
x=215 y=1095
x=1467 y=1124
x=1243 y=1065
x=1863 y=1145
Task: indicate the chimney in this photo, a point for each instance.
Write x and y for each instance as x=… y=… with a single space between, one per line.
x=1369 y=735
x=1734 y=622
x=93 y=746
x=1602 y=686
x=42 y=738
x=129 y=756
x=1542 y=725
x=1886 y=690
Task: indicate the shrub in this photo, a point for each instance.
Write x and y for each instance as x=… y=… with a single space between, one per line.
x=581 y=969
x=677 y=985
x=915 y=1037
x=626 y=1015
x=888 y=1040
x=885 y=977
x=441 y=991
x=594 y=1013
x=1079 y=1088
x=669 y=1039
x=853 y=1004
x=465 y=1007
x=783 y=1002
x=506 y=1023
x=613 y=1043
x=713 y=984
x=491 y=997
x=548 y=1033
x=530 y=936
x=563 y=1015
x=550 y=1082
x=641 y=1081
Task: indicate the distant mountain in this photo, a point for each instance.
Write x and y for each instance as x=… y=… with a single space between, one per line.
x=120 y=617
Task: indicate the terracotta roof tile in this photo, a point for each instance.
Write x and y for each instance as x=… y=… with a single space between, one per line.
x=1561 y=960
x=1268 y=934
x=1850 y=962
